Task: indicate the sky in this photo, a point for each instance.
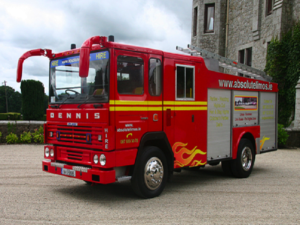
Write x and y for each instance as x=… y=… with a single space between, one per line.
x=55 y=24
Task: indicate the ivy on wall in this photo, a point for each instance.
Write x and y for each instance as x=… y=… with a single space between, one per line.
x=283 y=64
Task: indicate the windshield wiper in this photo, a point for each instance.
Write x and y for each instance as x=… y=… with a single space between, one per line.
x=88 y=98
x=69 y=97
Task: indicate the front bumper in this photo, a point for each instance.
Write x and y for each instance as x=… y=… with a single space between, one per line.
x=83 y=173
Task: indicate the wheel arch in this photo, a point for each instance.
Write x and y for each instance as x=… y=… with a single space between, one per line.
x=251 y=133
x=159 y=140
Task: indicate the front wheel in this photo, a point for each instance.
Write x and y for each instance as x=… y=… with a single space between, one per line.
x=150 y=176
x=243 y=164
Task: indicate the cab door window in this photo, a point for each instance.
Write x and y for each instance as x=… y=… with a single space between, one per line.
x=130 y=75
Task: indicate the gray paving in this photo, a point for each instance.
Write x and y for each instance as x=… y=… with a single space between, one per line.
x=271 y=195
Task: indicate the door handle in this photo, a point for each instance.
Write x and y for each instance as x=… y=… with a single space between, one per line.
x=144 y=118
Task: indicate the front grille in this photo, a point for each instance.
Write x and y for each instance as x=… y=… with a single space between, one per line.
x=83 y=136
x=74 y=155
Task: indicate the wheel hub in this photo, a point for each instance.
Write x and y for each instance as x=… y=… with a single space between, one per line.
x=154 y=173
x=246 y=158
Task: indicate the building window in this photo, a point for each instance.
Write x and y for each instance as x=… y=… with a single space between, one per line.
x=245 y=57
x=184 y=82
x=195 y=21
x=269 y=7
x=209 y=18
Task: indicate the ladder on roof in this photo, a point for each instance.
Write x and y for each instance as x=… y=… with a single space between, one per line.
x=226 y=63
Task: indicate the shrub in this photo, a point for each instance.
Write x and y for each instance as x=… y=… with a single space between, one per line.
x=26 y=137
x=282 y=136
x=38 y=135
x=12 y=138
x=0 y=137
x=11 y=128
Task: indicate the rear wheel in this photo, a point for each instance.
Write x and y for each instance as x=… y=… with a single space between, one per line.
x=150 y=176
x=243 y=164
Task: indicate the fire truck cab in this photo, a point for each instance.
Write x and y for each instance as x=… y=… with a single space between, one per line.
x=119 y=112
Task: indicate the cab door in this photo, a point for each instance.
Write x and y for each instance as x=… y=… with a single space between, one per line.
x=130 y=104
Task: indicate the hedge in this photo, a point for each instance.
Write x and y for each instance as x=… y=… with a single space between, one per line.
x=10 y=116
x=32 y=100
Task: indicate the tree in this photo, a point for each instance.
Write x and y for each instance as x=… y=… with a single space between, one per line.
x=14 y=100
x=32 y=100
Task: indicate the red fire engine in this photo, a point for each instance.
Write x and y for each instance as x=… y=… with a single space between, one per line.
x=120 y=112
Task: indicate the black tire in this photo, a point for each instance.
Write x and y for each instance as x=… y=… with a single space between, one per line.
x=154 y=159
x=226 y=167
x=194 y=168
x=242 y=166
x=214 y=163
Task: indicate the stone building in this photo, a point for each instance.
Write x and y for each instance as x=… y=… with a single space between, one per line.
x=242 y=29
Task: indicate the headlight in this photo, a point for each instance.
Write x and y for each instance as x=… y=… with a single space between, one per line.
x=102 y=160
x=51 y=152
x=96 y=159
x=47 y=152
x=99 y=137
x=51 y=134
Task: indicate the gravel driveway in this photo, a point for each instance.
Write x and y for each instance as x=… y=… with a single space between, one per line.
x=271 y=195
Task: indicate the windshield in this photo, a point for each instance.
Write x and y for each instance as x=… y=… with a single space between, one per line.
x=66 y=86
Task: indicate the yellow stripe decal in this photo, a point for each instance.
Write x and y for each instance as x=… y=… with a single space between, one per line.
x=141 y=108
x=184 y=103
x=187 y=108
x=121 y=102
x=158 y=105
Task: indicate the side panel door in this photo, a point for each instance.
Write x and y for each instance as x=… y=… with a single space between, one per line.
x=130 y=104
x=267 y=118
x=218 y=124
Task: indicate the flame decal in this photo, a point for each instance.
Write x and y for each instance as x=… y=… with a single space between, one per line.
x=184 y=156
x=262 y=141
